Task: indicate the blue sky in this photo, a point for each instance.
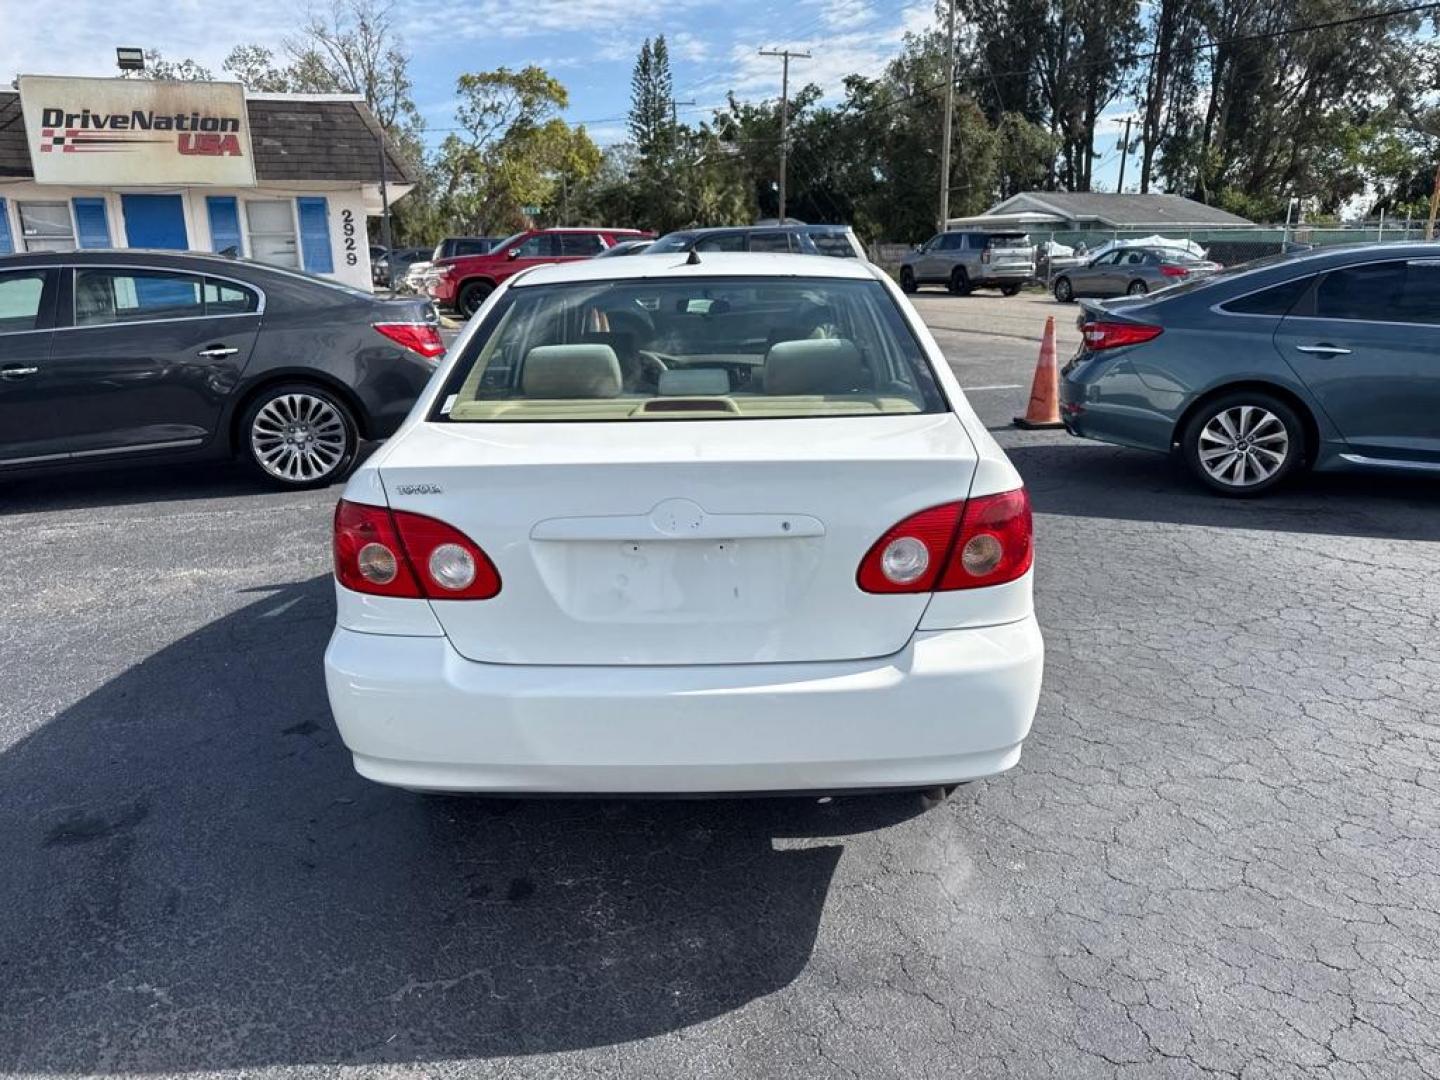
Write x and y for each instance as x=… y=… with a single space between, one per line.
x=589 y=45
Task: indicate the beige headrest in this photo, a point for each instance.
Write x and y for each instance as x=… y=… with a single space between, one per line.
x=814 y=366
x=588 y=370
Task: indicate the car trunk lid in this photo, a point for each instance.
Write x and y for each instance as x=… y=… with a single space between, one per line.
x=679 y=542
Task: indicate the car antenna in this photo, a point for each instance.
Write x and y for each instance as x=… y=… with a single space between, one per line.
x=693 y=259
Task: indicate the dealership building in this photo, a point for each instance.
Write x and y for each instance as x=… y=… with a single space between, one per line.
x=287 y=179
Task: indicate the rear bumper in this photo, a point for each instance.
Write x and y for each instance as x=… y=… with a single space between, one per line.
x=953 y=705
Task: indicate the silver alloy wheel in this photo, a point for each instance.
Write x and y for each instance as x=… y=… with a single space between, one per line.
x=1243 y=445
x=299 y=438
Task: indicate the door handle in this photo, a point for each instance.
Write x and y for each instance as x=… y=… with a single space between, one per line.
x=17 y=372
x=1323 y=350
x=217 y=351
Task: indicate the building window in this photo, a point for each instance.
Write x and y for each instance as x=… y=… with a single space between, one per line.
x=272 y=232
x=46 y=226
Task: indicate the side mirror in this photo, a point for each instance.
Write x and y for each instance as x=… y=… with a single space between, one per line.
x=513 y=253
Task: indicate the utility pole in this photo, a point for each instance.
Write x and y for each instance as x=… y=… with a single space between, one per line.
x=785 y=55
x=675 y=112
x=385 y=209
x=1124 y=155
x=947 y=120
x=1434 y=207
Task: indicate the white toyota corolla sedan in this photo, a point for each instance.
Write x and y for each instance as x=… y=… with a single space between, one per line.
x=667 y=526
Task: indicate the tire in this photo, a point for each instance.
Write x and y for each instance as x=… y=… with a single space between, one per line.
x=907 y=280
x=1009 y=290
x=1063 y=290
x=298 y=436
x=472 y=294
x=1260 y=426
x=1137 y=288
x=959 y=282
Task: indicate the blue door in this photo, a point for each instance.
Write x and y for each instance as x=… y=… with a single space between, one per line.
x=154 y=221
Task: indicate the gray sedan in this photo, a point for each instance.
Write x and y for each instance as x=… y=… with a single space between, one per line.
x=1327 y=360
x=1131 y=271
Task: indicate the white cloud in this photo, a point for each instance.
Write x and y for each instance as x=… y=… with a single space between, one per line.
x=688 y=46
x=833 y=55
x=489 y=19
x=179 y=29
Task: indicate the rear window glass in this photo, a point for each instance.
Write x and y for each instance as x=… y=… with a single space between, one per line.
x=1009 y=240
x=1276 y=300
x=834 y=243
x=698 y=349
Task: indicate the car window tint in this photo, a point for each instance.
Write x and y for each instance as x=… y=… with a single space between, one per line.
x=471 y=247
x=224 y=298
x=533 y=247
x=834 y=243
x=712 y=349
x=580 y=244
x=769 y=241
x=111 y=296
x=20 y=300
x=1276 y=300
x=1397 y=291
x=722 y=242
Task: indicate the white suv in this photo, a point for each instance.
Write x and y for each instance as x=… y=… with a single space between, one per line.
x=721 y=523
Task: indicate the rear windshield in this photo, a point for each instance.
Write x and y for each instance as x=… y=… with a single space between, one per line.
x=1009 y=240
x=697 y=349
x=837 y=244
x=673 y=242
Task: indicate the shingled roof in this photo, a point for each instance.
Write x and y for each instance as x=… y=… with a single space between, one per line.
x=294 y=138
x=1121 y=211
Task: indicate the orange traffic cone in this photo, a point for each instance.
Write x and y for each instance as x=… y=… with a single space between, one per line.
x=1044 y=408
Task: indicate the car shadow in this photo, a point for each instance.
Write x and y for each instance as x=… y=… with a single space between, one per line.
x=134 y=483
x=1087 y=479
x=194 y=878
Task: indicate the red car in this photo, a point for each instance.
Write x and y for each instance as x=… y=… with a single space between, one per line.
x=464 y=282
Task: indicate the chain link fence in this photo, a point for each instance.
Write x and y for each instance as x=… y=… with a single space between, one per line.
x=1227 y=246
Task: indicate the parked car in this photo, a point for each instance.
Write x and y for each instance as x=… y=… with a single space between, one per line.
x=464 y=282
x=422 y=273
x=626 y=247
x=136 y=356
x=1323 y=360
x=400 y=259
x=780 y=553
x=836 y=240
x=970 y=259
x=1131 y=271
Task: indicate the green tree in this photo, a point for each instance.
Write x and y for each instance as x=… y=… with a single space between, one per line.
x=159 y=69
x=513 y=151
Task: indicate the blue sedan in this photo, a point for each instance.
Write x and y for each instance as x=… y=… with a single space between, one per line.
x=1327 y=360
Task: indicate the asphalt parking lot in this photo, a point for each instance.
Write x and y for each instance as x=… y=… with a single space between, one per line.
x=1220 y=854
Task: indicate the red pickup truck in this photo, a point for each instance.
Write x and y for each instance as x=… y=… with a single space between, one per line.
x=465 y=281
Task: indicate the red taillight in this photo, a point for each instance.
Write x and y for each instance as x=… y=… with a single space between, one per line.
x=369 y=557
x=419 y=337
x=396 y=553
x=1112 y=335
x=1174 y=271
x=995 y=543
x=985 y=541
x=910 y=556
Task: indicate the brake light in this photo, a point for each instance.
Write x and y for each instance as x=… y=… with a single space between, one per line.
x=995 y=544
x=396 y=553
x=1174 y=271
x=985 y=541
x=418 y=337
x=1112 y=335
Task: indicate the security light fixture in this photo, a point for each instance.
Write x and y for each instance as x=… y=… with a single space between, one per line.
x=130 y=59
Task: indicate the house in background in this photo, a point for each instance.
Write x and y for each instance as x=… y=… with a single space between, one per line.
x=286 y=179
x=1040 y=212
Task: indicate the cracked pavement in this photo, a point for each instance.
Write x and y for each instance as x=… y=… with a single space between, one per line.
x=1219 y=856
